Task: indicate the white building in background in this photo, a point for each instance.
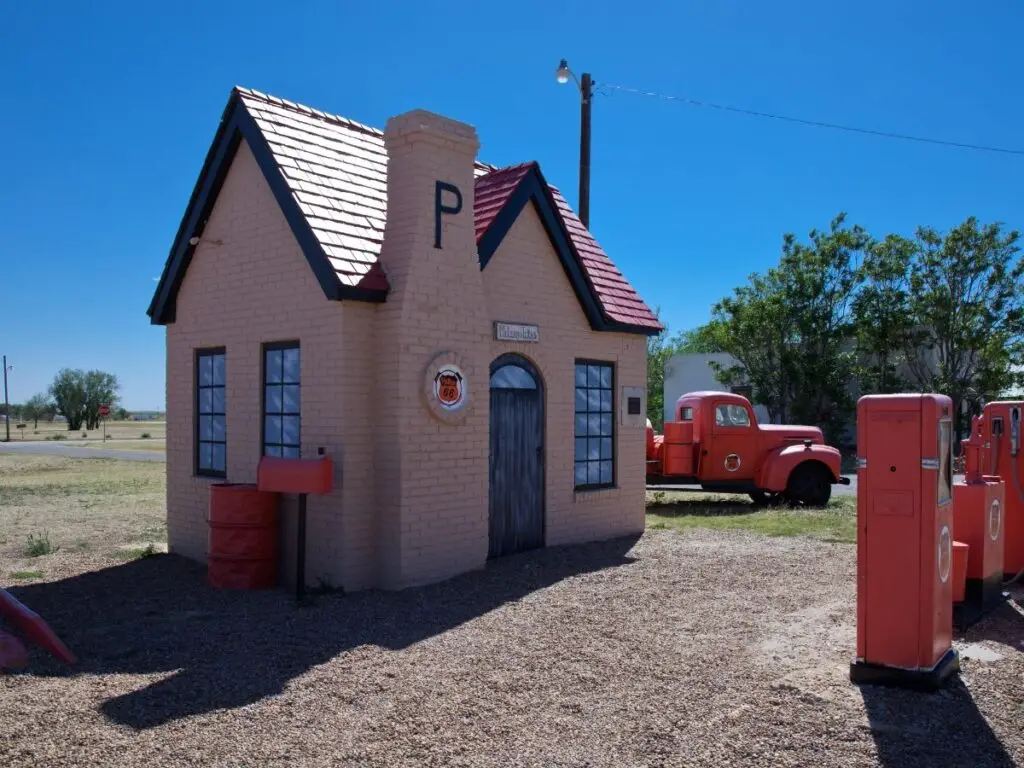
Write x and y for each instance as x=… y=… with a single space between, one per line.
x=693 y=373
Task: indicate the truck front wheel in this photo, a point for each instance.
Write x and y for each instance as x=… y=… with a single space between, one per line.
x=809 y=484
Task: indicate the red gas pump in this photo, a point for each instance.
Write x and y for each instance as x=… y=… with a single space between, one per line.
x=904 y=541
x=1001 y=429
x=978 y=504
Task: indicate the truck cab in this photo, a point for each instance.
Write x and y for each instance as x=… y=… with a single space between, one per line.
x=716 y=442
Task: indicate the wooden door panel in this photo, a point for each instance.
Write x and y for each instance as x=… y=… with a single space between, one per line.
x=516 y=471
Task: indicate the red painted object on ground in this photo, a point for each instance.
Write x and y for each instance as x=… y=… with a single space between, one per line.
x=715 y=442
x=13 y=654
x=243 y=537
x=31 y=625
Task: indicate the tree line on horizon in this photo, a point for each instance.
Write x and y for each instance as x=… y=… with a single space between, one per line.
x=75 y=394
x=935 y=312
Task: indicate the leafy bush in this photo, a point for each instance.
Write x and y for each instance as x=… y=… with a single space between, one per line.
x=145 y=436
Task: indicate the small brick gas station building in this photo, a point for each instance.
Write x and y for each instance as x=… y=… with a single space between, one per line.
x=448 y=332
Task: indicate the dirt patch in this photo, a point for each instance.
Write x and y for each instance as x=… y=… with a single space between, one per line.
x=702 y=648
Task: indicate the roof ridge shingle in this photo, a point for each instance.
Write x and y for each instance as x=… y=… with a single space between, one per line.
x=302 y=109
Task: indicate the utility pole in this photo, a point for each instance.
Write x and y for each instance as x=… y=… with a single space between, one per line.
x=586 y=86
x=7 y=405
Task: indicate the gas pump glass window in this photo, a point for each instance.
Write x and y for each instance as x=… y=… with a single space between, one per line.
x=731 y=416
x=945 y=490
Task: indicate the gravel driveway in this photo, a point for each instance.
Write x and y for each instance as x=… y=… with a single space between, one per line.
x=703 y=649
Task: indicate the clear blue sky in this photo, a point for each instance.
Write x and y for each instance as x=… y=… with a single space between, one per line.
x=108 y=110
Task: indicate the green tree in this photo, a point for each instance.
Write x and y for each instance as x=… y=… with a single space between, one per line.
x=820 y=280
x=881 y=311
x=788 y=329
x=122 y=414
x=100 y=389
x=659 y=349
x=704 y=339
x=967 y=309
x=37 y=407
x=757 y=330
x=68 y=394
x=78 y=395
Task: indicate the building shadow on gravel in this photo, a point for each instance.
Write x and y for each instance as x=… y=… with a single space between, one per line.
x=223 y=650
x=936 y=730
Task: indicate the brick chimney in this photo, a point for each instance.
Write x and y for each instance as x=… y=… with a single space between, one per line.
x=430 y=461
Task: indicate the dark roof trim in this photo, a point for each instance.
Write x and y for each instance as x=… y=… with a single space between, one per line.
x=237 y=124
x=533 y=188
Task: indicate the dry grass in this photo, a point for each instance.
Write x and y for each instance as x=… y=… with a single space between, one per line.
x=116 y=430
x=688 y=647
x=86 y=509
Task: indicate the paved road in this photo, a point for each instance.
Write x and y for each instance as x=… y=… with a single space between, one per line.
x=56 y=448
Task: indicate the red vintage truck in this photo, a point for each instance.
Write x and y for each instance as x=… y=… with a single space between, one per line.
x=715 y=442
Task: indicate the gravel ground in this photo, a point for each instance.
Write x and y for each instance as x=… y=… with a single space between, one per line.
x=703 y=649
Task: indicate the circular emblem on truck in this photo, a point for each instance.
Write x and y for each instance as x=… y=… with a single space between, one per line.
x=995 y=520
x=450 y=387
x=945 y=554
x=732 y=462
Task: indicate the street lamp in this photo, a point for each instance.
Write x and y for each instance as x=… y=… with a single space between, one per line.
x=7 y=403
x=585 y=85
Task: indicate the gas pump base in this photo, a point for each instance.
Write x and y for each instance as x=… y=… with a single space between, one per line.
x=928 y=680
x=981 y=597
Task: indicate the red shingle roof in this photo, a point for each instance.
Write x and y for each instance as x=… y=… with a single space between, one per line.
x=336 y=170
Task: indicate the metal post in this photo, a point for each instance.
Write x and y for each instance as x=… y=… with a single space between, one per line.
x=7 y=405
x=300 y=557
x=586 y=90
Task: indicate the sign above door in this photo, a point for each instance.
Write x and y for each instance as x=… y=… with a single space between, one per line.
x=516 y=332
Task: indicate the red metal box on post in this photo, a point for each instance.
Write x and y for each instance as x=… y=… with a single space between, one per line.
x=295 y=475
x=904 y=541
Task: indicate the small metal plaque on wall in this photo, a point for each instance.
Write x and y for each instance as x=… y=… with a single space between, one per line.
x=633 y=409
x=516 y=332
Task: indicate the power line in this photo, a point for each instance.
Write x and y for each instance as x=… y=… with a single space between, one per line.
x=813 y=123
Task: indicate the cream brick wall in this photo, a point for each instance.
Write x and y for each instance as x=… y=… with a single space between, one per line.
x=524 y=283
x=411 y=498
x=255 y=286
x=433 y=498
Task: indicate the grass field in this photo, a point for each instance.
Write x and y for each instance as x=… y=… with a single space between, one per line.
x=686 y=511
x=116 y=430
x=63 y=516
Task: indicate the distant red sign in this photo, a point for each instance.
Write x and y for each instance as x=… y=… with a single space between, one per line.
x=104 y=410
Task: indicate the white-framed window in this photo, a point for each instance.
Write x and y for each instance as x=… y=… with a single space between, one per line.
x=211 y=412
x=281 y=399
x=594 y=465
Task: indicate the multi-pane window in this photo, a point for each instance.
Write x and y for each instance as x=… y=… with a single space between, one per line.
x=211 y=413
x=595 y=425
x=281 y=400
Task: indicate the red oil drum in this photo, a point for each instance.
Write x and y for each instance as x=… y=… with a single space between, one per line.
x=243 y=537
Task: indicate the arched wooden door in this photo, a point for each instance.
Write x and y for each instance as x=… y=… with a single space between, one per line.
x=516 y=457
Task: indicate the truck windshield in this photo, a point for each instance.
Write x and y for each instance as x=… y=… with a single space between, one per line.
x=731 y=416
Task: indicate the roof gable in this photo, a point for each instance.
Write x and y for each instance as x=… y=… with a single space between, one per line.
x=329 y=176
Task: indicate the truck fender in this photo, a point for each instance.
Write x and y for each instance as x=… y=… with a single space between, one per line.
x=774 y=472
